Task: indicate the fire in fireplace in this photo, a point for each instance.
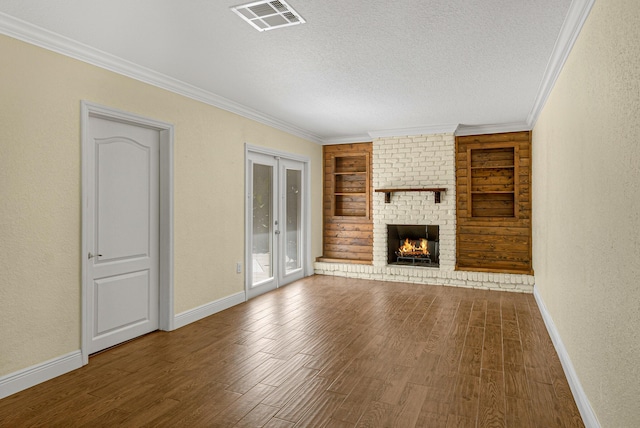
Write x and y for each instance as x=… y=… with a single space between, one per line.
x=415 y=245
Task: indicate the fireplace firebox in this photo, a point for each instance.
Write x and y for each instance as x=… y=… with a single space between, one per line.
x=413 y=245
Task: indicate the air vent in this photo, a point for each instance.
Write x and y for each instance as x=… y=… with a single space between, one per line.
x=268 y=15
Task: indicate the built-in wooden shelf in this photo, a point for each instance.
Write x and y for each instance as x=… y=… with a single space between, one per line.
x=348 y=226
x=493 y=203
x=436 y=192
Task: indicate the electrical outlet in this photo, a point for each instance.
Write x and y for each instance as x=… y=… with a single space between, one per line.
x=238 y=267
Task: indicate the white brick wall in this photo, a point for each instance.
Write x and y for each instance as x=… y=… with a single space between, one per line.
x=415 y=161
x=419 y=161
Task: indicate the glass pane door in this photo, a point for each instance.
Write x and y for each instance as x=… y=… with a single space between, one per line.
x=262 y=227
x=275 y=222
x=262 y=219
x=292 y=220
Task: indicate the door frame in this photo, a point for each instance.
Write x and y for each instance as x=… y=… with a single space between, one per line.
x=307 y=263
x=166 y=242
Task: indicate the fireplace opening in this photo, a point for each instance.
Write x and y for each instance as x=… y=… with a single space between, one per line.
x=413 y=245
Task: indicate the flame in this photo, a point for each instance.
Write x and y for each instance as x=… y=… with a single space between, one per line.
x=410 y=248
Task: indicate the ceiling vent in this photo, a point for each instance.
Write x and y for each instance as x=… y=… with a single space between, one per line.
x=268 y=15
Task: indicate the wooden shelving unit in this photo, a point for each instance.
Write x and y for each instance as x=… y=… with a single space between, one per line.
x=492 y=172
x=493 y=203
x=350 y=185
x=348 y=227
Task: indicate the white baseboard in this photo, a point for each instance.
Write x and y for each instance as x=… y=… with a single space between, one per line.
x=211 y=308
x=31 y=376
x=584 y=406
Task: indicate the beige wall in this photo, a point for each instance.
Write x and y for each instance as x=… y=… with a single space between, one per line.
x=40 y=213
x=586 y=181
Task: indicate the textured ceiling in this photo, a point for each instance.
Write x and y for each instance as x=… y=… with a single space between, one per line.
x=355 y=67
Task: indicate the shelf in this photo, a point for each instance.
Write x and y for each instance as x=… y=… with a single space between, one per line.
x=493 y=204
x=350 y=188
x=436 y=192
x=492 y=192
x=494 y=167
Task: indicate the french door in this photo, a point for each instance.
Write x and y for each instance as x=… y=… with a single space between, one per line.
x=276 y=221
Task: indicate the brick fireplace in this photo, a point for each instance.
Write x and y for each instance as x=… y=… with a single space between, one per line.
x=419 y=161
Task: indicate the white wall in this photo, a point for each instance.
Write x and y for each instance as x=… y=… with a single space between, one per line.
x=40 y=212
x=586 y=210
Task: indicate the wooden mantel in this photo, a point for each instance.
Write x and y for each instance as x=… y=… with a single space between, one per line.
x=436 y=192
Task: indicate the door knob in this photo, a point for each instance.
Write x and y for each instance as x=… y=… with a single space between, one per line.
x=91 y=255
x=277 y=232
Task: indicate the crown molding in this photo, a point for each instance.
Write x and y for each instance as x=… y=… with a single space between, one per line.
x=27 y=32
x=348 y=139
x=421 y=130
x=459 y=130
x=573 y=23
x=32 y=34
x=496 y=128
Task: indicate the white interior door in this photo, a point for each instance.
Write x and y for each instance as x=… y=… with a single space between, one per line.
x=276 y=222
x=122 y=231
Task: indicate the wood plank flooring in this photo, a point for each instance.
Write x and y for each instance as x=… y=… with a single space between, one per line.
x=324 y=352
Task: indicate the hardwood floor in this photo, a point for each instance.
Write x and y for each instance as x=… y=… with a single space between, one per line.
x=324 y=351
